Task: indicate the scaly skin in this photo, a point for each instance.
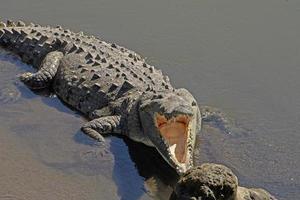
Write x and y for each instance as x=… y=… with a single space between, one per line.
x=112 y=86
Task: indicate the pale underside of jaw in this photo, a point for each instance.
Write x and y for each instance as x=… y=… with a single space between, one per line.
x=175 y=132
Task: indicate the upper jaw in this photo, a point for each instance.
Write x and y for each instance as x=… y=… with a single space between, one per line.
x=176 y=134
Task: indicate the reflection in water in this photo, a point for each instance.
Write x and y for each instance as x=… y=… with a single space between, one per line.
x=92 y=160
x=159 y=176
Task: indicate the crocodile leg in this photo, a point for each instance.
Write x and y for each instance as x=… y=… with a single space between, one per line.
x=43 y=77
x=103 y=125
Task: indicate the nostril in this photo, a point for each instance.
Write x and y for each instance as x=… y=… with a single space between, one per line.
x=194 y=103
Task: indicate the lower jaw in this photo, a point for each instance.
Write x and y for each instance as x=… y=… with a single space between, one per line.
x=182 y=167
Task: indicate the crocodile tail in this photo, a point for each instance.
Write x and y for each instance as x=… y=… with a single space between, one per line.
x=18 y=38
x=10 y=23
x=10 y=32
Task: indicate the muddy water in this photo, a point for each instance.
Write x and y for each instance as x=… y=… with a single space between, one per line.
x=240 y=56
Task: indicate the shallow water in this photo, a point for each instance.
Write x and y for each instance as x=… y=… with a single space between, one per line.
x=240 y=56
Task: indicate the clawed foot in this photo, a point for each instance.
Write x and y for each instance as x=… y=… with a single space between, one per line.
x=102 y=126
x=25 y=77
x=93 y=134
x=35 y=81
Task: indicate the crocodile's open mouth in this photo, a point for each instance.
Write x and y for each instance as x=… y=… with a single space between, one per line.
x=175 y=132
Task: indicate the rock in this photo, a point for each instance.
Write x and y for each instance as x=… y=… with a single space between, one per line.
x=208 y=181
x=214 y=182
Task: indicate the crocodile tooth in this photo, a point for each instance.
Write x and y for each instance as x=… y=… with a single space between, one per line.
x=166 y=143
x=172 y=148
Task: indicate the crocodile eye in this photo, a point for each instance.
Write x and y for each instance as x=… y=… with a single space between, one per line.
x=194 y=103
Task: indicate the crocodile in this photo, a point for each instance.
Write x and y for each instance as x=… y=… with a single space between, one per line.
x=113 y=87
